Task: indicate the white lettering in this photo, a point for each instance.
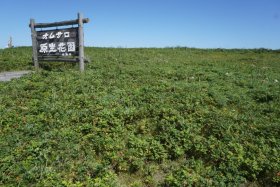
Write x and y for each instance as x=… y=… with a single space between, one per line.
x=52 y=47
x=52 y=36
x=71 y=46
x=45 y=36
x=61 y=47
x=43 y=48
x=66 y=34
x=58 y=35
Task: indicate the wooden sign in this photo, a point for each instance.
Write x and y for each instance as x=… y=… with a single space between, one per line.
x=59 y=42
x=66 y=45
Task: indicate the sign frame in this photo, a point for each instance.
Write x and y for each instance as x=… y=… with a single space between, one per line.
x=79 y=38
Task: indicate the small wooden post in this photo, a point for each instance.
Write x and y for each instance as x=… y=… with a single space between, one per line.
x=81 y=43
x=34 y=43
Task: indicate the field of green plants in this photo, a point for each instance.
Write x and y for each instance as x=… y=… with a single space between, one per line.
x=142 y=117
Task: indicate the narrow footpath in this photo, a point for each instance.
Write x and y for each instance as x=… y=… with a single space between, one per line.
x=7 y=76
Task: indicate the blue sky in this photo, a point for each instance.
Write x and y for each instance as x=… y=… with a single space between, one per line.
x=152 y=23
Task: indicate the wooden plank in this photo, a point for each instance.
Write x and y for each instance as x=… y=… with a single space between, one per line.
x=48 y=59
x=61 y=23
x=81 y=43
x=34 y=43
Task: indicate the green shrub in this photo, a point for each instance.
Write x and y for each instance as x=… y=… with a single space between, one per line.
x=142 y=117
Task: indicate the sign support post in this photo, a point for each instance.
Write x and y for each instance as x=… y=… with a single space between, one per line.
x=81 y=43
x=34 y=43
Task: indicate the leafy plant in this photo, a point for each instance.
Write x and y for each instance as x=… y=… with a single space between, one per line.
x=142 y=117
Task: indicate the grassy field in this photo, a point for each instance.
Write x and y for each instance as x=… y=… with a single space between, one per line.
x=142 y=117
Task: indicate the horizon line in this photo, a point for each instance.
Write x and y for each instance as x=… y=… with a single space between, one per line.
x=166 y=47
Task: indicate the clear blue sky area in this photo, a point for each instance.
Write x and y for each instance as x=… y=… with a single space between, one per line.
x=152 y=23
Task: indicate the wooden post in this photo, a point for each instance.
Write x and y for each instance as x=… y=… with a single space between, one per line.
x=34 y=43
x=81 y=43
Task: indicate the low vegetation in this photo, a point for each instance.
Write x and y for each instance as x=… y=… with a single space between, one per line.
x=142 y=117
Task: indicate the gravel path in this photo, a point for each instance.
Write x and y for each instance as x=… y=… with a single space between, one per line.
x=7 y=76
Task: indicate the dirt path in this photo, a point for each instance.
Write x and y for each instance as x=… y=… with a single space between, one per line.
x=7 y=76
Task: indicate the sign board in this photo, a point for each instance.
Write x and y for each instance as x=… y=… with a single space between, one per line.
x=66 y=45
x=59 y=42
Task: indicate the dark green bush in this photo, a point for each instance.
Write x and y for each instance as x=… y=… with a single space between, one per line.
x=142 y=117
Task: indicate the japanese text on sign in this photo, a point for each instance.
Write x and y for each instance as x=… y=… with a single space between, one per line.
x=58 y=42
